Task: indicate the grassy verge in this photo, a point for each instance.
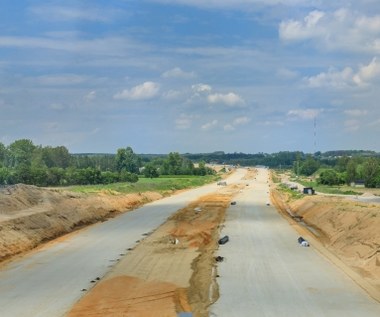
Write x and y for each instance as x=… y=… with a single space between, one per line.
x=340 y=190
x=163 y=185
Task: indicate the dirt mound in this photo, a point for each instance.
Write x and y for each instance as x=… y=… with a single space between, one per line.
x=30 y=215
x=349 y=229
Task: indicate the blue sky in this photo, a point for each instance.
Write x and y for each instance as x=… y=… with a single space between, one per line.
x=191 y=75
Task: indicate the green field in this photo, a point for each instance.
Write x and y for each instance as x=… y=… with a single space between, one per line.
x=163 y=185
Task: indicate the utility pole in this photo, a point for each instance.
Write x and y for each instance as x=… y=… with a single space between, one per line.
x=315 y=134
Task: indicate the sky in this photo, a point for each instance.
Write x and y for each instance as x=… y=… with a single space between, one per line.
x=191 y=76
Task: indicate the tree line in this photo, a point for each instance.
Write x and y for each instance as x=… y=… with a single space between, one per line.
x=24 y=162
x=333 y=167
x=344 y=170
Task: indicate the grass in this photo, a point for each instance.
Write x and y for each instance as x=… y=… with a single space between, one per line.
x=275 y=177
x=338 y=189
x=294 y=194
x=162 y=184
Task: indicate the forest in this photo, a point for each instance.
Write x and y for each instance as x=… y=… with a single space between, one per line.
x=24 y=162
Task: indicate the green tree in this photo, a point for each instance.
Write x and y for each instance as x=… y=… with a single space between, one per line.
x=21 y=152
x=23 y=174
x=56 y=176
x=341 y=164
x=5 y=176
x=38 y=176
x=127 y=160
x=125 y=176
x=202 y=168
x=174 y=161
x=3 y=154
x=330 y=177
x=351 y=174
x=109 y=177
x=371 y=171
x=87 y=176
x=150 y=171
x=56 y=156
x=309 y=166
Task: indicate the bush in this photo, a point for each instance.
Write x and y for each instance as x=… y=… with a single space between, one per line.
x=125 y=176
x=331 y=177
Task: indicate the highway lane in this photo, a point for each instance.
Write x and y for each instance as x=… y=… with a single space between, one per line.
x=266 y=273
x=47 y=282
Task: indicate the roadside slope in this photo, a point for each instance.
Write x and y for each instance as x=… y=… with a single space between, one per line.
x=30 y=215
x=267 y=273
x=348 y=229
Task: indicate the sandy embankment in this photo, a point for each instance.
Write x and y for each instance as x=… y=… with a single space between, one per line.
x=348 y=229
x=30 y=215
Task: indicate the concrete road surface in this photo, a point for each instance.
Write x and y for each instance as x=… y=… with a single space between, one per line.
x=48 y=282
x=266 y=273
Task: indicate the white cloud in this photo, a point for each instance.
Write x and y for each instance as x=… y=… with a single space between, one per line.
x=201 y=88
x=210 y=125
x=178 y=73
x=172 y=94
x=332 y=78
x=343 y=29
x=310 y=27
x=204 y=90
x=236 y=122
x=272 y=123
x=144 y=91
x=366 y=74
x=303 y=114
x=241 y=121
x=230 y=99
x=229 y=127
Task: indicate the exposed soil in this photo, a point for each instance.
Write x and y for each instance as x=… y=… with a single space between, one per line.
x=31 y=215
x=170 y=271
x=173 y=269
